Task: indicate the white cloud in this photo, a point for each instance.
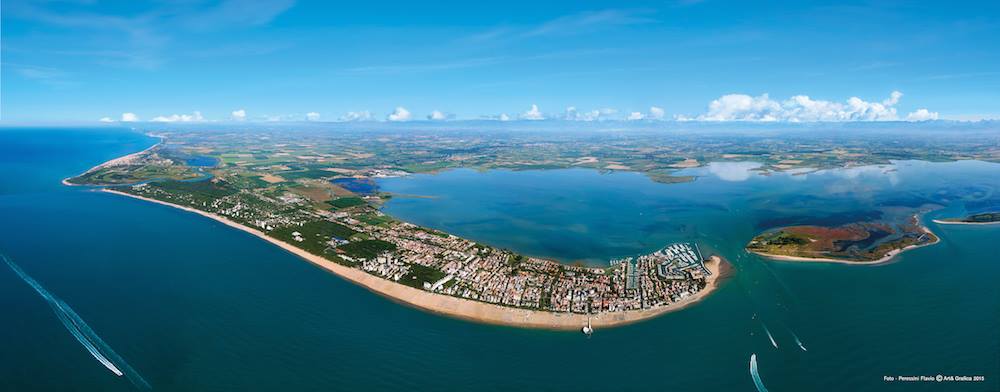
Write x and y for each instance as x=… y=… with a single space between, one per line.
x=129 y=117
x=106 y=119
x=438 y=115
x=742 y=107
x=498 y=117
x=594 y=115
x=571 y=113
x=400 y=114
x=533 y=114
x=656 y=113
x=893 y=98
x=363 y=115
x=238 y=115
x=312 y=116
x=922 y=115
x=193 y=117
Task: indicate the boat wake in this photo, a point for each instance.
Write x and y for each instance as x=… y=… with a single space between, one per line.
x=799 y=342
x=769 y=336
x=81 y=331
x=753 y=374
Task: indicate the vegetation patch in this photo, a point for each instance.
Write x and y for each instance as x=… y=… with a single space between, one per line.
x=366 y=249
x=315 y=235
x=346 y=202
x=419 y=274
x=200 y=192
x=309 y=173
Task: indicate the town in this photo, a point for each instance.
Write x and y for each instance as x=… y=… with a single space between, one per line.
x=361 y=236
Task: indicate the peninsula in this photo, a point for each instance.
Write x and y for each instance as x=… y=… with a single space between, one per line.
x=985 y=218
x=854 y=243
x=334 y=222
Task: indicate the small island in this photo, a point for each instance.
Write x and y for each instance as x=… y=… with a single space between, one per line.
x=985 y=218
x=854 y=243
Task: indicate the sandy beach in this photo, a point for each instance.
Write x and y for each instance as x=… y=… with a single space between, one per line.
x=468 y=309
x=947 y=222
x=122 y=160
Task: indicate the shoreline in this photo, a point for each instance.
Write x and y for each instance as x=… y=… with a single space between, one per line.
x=946 y=222
x=466 y=309
x=65 y=181
x=884 y=259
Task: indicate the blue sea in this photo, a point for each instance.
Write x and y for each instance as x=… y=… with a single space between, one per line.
x=192 y=305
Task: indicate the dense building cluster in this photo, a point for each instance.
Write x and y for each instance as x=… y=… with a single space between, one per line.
x=450 y=265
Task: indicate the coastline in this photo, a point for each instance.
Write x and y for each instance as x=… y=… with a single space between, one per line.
x=946 y=222
x=467 y=309
x=888 y=256
x=65 y=181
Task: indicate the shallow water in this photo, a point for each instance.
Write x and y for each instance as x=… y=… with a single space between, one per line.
x=196 y=306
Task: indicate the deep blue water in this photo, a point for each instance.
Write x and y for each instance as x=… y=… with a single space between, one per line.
x=202 y=161
x=195 y=306
x=356 y=185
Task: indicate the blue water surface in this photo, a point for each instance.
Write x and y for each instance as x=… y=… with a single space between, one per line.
x=193 y=305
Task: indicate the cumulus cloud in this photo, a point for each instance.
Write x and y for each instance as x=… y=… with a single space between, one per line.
x=498 y=117
x=594 y=115
x=656 y=113
x=106 y=119
x=129 y=117
x=533 y=114
x=312 y=116
x=893 y=98
x=238 y=115
x=742 y=107
x=193 y=117
x=571 y=113
x=400 y=114
x=438 y=115
x=363 y=115
x=922 y=115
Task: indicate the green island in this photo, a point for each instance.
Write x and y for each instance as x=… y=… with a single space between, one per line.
x=859 y=242
x=313 y=193
x=984 y=218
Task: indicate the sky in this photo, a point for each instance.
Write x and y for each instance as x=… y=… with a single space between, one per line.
x=266 y=60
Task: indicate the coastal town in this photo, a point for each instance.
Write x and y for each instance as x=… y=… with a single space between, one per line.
x=361 y=236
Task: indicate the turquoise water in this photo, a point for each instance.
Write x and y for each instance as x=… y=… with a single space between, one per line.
x=192 y=305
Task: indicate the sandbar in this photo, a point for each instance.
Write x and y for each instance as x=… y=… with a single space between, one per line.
x=947 y=222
